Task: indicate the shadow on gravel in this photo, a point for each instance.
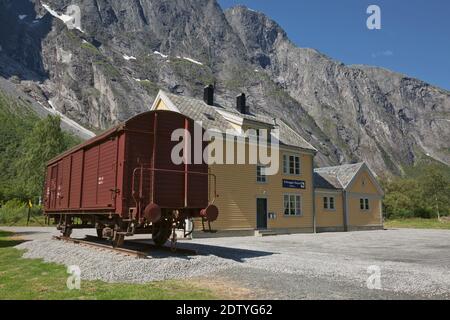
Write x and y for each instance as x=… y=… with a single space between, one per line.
x=238 y=255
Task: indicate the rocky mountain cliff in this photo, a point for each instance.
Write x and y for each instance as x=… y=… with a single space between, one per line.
x=113 y=65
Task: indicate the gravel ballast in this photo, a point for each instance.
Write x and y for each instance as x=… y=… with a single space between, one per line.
x=105 y=265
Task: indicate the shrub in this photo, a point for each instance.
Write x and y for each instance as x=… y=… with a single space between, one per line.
x=12 y=211
x=15 y=210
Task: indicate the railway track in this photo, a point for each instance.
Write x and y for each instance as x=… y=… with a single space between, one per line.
x=131 y=248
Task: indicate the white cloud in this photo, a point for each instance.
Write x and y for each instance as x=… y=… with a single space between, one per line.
x=386 y=53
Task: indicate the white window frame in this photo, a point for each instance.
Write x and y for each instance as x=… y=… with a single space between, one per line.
x=298 y=212
x=334 y=203
x=365 y=204
x=287 y=164
x=327 y=203
x=261 y=177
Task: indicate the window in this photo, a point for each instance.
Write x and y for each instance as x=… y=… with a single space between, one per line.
x=292 y=205
x=291 y=164
x=364 y=204
x=328 y=203
x=261 y=174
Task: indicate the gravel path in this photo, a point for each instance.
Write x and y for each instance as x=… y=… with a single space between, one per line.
x=412 y=263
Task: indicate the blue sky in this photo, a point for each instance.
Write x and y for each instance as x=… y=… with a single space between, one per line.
x=414 y=38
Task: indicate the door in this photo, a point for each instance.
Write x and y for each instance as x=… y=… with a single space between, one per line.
x=107 y=171
x=53 y=187
x=261 y=213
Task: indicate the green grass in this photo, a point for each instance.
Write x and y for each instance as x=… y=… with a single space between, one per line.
x=35 y=221
x=418 y=223
x=32 y=279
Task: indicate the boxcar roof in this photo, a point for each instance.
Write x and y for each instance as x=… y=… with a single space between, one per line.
x=103 y=136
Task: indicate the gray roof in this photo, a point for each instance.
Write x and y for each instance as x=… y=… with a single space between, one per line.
x=210 y=117
x=198 y=110
x=291 y=138
x=335 y=177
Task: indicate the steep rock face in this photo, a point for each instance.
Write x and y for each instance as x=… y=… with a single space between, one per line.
x=371 y=114
x=125 y=51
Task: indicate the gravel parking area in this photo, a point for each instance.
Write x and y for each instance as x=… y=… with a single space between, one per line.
x=412 y=264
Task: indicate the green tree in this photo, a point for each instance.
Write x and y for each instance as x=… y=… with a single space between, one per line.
x=436 y=190
x=45 y=141
x=401 y=198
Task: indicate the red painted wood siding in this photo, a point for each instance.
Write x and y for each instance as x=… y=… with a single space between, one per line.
x=107 y=174
x=75 y=182
x=90 y=178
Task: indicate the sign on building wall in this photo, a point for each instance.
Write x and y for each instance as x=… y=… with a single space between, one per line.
x=294 y=184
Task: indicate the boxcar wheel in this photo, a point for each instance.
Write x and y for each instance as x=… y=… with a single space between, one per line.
x=118 y=240
x=161 y=232
x=67 y=232
x=100 y=234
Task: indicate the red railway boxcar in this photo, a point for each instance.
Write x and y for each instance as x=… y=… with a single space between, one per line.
x=124 y=182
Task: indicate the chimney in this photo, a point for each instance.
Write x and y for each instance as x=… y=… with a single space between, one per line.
x=208 y=95
x=241 y=103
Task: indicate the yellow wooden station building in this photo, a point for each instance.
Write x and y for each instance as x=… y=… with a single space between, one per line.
x=297 y=198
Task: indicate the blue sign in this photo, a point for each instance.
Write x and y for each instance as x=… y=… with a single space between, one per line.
x=294 y=184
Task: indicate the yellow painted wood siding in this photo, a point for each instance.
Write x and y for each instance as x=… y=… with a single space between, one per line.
x=363 y=187
x=363 y=184
x=238 y=192
x=161 y=105
x=329 y=218
x=361 y=218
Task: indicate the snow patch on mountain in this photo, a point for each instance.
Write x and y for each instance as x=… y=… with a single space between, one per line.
x=66 y=19
x=190 y=60
x=160 y=54
x=68 y=121
x=128 y=58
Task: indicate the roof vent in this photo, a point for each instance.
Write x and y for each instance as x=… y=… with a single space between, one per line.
x=241 y=104
x=208 y=95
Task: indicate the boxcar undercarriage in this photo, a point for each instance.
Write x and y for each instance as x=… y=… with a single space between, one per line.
x=112 y=227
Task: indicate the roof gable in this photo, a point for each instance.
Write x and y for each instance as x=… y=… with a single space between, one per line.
x=342 y=177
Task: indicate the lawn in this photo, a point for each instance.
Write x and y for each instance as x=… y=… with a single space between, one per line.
x=418 y=223
x=35 y=280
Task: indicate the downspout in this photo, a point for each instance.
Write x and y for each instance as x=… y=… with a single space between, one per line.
x=344 y=205
x=313 y=198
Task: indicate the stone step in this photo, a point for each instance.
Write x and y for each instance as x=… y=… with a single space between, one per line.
x=265 y=233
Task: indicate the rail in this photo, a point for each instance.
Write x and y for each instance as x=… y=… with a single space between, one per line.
x=144 y=252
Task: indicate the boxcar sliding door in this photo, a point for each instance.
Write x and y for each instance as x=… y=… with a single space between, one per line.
x=107 y=173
